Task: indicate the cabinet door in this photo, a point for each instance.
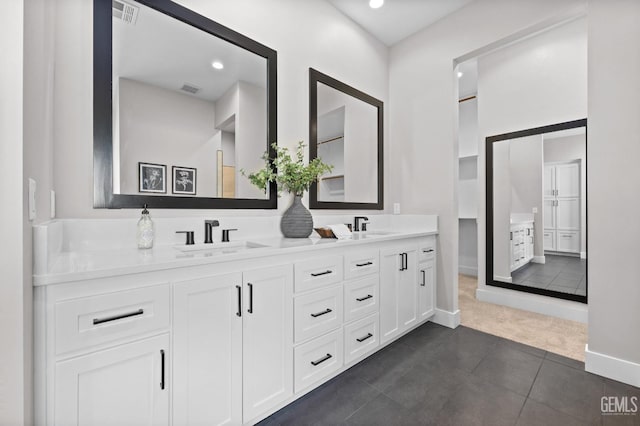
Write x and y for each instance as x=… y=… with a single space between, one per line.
x=568 y=180
x=549 y=240
x=549 y=213
x=426 y=290
x=568 y=241
x=398 y=292
x=124 y=385
x=207 y=348
x=267 y=339
x=568 y=213
x=549 y=181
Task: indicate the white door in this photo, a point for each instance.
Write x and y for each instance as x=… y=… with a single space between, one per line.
x=549 y=213
x=207 y=348
x=426 y=290
x=549 y=181
x=549 y=240
x=568 y=180
x=568 y=213
x=124 y=385
x=408 y=291
x=267 y=339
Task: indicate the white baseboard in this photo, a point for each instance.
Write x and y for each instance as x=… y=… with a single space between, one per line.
x=503 y=279
x=468 y=270
x=565 y=309
x=446 y=318
x=538 y=259
x=613 y=368
x=583 y=255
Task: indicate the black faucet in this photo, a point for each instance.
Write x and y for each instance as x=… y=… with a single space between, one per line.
x=225 y=235
x=356 y=225
x=208 y=230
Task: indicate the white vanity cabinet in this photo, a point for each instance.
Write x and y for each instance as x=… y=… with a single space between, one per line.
x=398 y=290
x=522 y=240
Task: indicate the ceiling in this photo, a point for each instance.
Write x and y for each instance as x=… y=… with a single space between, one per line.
x=397 y=19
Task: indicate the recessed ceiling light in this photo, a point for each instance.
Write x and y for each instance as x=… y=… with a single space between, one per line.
x=460 y=74
x=217 y=65
x=375 y=4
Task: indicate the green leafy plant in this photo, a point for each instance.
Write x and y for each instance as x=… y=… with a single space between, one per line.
x=289 y=174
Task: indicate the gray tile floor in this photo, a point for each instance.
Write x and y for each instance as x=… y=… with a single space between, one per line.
x=438 y=376
x=559 y=273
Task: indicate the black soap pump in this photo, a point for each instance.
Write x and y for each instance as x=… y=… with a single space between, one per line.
x=145 y=230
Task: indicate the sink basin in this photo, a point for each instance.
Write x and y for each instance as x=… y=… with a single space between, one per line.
x=370 y=234
x=222 y=248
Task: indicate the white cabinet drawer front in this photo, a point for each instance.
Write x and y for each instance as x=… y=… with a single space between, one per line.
x=361 y=338
x=361 y=297
x=361 y=263
x=318 y=359
x=317 y=273
x=96 y=320
x=427 y=250
x=568 y=241
x=317 y=312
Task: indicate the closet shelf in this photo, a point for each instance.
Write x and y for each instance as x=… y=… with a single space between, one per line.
x=330 y=140
x=333 y=177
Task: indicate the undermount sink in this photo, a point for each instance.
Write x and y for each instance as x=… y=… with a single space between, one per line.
x=370 y=234
x=222 y=248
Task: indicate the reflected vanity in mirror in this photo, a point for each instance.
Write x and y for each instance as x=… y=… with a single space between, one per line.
x=537 y=210
x=176 y=96
x=345 y=130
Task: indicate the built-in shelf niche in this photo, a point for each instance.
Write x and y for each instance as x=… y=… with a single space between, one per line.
x=331 y=150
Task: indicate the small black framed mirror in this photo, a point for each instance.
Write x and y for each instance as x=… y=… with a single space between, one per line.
x=346 y=131
x=536 y=187
x=181 y=105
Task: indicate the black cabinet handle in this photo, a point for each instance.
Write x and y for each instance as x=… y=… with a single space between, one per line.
x=424 y=278
x=250 y=310
x=319 y=314
x=239 y=313
x=362 y=299
x=428 y=251
x=317 y=274
x=162 y=369
x=362 y=339
x=97 y=321
x=321 y=360
x=359 y=265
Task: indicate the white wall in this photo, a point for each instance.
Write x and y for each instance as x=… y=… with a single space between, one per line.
x=423 y=118
x=568 y=149
x=14 y=382
x=163 y=126
x=305 y=34
x=613 y=149
x=501 y=211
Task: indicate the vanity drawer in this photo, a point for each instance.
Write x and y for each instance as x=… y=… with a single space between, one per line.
x=361 y=263
x=427 y=250
x=317 y=312
x=318 y=359
x=317 y=273
x=361 y=297
x=360 y=338
x=96 y=320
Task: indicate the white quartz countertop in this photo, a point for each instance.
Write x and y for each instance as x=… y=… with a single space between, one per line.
x=91 y=264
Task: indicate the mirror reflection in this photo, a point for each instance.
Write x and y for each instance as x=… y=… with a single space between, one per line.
x=539 y=211
x=189 y=109
x=346 y=132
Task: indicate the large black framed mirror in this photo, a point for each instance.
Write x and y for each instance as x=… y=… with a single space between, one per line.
x=346 y=131
x=182 y=104
x=536 y=187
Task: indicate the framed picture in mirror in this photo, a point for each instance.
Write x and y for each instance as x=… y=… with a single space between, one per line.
x=184 y=180
x=152 y=178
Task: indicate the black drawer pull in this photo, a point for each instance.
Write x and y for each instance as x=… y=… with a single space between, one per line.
x=97 y=321
x=359 y=265
x=321 y=360
x=362 y=299
x=317 y=274
x=428 y=251
x=319 y=314
x=362 y=339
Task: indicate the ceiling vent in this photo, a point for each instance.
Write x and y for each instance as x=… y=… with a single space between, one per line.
x=124 y=11
x=190 y=88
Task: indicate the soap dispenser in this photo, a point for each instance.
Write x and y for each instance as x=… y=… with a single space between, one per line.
x=145 y=230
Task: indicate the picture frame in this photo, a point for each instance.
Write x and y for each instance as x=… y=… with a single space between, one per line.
x=184 y=180
x=152 y=178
